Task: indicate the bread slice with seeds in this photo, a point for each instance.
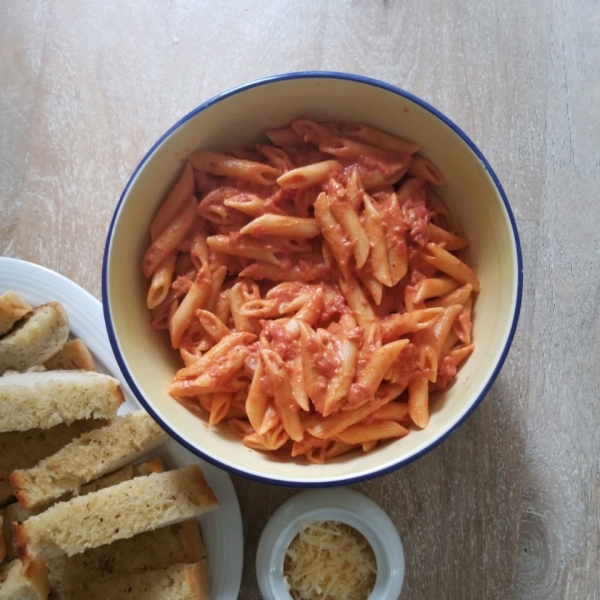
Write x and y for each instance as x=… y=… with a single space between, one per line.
x=114 y=513
x=88 y=457
x=24 y=449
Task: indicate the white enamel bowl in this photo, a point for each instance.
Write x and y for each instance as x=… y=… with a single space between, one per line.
x=240 y=116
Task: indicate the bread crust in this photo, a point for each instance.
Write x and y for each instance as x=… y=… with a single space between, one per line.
x=27 y=581
x=73 y=355
x=45 y=399
x=35 y=339
x=12 y=308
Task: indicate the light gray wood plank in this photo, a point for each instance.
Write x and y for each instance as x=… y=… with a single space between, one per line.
x=559 y=549
x=22 y=33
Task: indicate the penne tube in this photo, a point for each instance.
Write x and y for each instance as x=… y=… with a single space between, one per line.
x=170 y=237
x=354 y=189
x=433 y=287
x=220 y=405
x=309 y=175
x=372 y=285
x=239 y=295
x=161 y=281
x=448 y=263
x=311 y=131
x=379 y=262
x=330 y=426
x=339 y=245
x=273 y=439
x=314 y=384
x=343 y=147
x=371 y=432
x=280 y=225
x=395 y=239
x=393 y=411
x=348 y=220
x=340 y=383
x=215 y=354
x=303 y=268
x=418 y=401
x=237 y=168
x=444 y=238
x=257 y=400
x=339 y=448
x=359 y=304
x=198 y=246
x=286 y=136
x=277 y=157
x=397 y=325
x=196 y=298
x=460 y=353
x=375 y=179
x=282 y=394
x=373 y=372
x=251 y=204
x=458 y=296
x=218 y=277
x=462 y=326
x=181 y=192
x=374 y=137
x=215 y=328
x=297 y=379
x=425 y=169
x=220 y=375
x=244 y=247
x=222 y=308
x=213 y=209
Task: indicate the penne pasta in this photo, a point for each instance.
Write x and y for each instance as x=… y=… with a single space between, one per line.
x=314 y=287
x=178 y=196
x=309 y=175
x=237 y=168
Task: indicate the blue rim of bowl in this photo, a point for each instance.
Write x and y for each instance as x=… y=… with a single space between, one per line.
x=317 y=75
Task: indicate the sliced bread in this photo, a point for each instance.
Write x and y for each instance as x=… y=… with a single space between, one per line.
x=158 y=549
x=24 y=449
x=32 y=400
x=12 y=308
x=90 y=456
x=15 y=512
x=114 y=513
x=72 y=356
x=35 y=338
x=20 y=581
x=177 y=582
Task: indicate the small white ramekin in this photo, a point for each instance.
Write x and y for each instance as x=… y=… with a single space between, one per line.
x=333 y=504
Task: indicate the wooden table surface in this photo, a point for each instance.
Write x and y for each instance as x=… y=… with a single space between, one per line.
x=508 y=506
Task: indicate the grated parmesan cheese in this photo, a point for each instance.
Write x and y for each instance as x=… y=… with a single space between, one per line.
x=329 y=560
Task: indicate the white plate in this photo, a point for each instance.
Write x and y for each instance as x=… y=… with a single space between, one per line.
x=222 y=529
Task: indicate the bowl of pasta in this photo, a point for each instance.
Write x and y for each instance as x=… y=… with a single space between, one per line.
x=312 y=279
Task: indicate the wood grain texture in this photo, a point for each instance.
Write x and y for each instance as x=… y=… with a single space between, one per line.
x=509 y=505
